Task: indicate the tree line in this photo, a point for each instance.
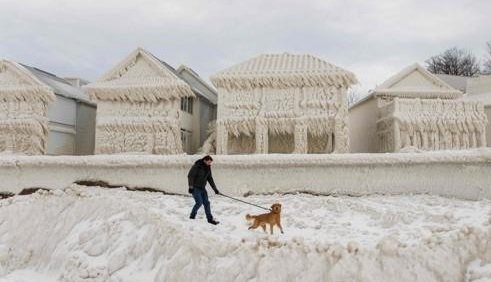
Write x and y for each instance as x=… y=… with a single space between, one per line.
x=461 y=62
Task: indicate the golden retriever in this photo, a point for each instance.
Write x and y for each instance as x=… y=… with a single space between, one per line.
x=272 y=218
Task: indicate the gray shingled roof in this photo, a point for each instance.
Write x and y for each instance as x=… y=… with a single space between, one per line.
x=195 y=90
x=212 y=98
x=457 y=82
x=59 y=85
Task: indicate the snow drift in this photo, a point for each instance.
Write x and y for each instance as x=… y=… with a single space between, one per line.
x=94 y=234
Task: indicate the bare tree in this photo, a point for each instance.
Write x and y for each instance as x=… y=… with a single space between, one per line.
x=487 y=59
x=454 y=62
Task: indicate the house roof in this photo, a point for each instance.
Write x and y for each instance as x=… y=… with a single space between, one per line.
x=362 y=100
x=59 y=85
x=281 y=71
x=210 y=95
x=456 y=81
x=76 y=81
x=415 y=81
x=18 y=83
x=139 y=77
x=179 y=73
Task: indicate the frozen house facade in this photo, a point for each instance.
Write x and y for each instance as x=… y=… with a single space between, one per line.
x=71 y=117
x=415 y=108
x=196 y=113
x=479 y=89
x=42 y=113
x=282 y=103
x=145 y=106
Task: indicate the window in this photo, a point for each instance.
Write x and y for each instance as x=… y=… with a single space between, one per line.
x=184 y=102
x=187 y=104
x=183 y=138
x=186 y=140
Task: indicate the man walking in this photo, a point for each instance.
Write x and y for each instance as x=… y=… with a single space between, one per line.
x=198 y=176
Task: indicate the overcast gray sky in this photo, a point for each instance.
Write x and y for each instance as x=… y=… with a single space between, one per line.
x=373 y=39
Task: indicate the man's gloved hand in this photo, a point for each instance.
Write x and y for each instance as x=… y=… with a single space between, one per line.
x=216 y=191
x=190 y=190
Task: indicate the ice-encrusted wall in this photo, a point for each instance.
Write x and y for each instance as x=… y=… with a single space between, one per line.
x=138 y=127
x=23 y=110
x=462 y=174
x=295 y=120
x=431 y=124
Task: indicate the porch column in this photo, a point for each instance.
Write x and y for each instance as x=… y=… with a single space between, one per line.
x=482 y=136
x=301 y=139
x=340 y=137
x=397 y=136
x=222 y=139
x=261 y=137
x=329 y=148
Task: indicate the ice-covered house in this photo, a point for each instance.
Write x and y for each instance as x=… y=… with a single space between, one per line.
x=42 y=113
x=196 y=113
x=415 y=108
x=71 y=116
x=479 y=89
x=282 y=103
x=145 y=106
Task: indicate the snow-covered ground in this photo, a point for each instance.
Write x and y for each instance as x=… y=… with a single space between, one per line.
x=96 y=234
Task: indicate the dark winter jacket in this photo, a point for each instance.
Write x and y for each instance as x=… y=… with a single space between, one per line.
x=199 y=174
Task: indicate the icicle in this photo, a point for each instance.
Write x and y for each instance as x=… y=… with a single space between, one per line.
x=436 y=124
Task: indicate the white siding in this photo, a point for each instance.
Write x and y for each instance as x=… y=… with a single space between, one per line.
x=85 y=137
x=488 y=128
x=363 y=127
x=63 y=111
x=62 y=115
x=71 y=127
x=61 y=141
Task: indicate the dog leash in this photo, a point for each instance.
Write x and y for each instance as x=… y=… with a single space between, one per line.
x=244 y=202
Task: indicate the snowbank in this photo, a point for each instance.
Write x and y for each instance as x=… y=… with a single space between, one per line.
x=462 y=174
x=91 y=234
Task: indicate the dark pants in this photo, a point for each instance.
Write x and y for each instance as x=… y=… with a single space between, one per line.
x=201 y=198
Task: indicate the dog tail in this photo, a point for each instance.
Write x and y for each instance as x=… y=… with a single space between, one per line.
x=249 y=217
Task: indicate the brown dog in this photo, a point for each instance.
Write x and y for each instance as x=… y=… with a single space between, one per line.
x=272 y=218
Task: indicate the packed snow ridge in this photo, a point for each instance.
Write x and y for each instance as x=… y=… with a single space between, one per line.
x=96 y=234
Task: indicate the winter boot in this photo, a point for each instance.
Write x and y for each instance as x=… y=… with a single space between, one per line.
x=212 y=221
